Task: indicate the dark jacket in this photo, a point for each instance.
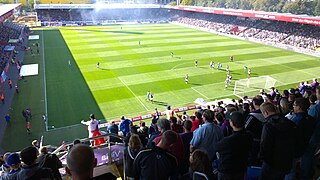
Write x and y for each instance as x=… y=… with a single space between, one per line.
x=129 y=156
x=154 y=163
x=50 y=161
x=278 y=142
x=305 y=125
x=234 y=151
x=34 y=172
x=254 y=124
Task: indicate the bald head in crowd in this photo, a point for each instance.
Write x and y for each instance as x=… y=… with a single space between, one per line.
x=80 y=162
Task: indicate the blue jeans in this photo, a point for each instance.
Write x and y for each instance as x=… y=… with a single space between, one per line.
x=268 y=173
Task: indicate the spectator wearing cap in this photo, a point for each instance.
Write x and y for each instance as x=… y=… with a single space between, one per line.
x=234 y=149
x=14 y=163
x=81 y=162
x=277 y=143
x=31 y=169
x=207 y=135
x=92 y=124
x=125 y=125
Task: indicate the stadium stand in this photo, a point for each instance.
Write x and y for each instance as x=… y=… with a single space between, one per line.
x=301 y=114
x=276 y=32
x=109 y=155
x=287 y=34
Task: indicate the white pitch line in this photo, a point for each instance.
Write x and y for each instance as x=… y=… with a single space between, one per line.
x=44 y=82
x=199 y=93
x=134 y=94
x=178 y=65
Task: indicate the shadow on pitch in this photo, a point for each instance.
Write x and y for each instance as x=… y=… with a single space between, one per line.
x=195 y=84
x=103 y=69
x=94 y=30
x=160 y=103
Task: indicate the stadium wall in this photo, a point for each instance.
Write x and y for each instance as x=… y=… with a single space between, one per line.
x=65 y=1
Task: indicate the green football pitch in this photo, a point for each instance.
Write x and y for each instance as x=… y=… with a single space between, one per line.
x=128 y=70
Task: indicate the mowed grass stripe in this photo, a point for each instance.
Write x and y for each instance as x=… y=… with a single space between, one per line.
x=143 y=38
x=180 y=69
x=125 y=62
x=179 y=60
x=141 y=69
x=155 y=43
x=217 y=75
x=178 y=50
x=141 y=52
x=129 y=34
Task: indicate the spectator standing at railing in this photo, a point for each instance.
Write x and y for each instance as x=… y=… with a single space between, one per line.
x=92 y=124
x=125 y=125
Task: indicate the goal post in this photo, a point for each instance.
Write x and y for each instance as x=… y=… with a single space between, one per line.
x=252 y=86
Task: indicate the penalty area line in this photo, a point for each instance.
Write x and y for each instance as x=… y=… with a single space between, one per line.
x=199 y=93
x=134 y=94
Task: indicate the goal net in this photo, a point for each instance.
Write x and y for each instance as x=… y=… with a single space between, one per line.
x=252 y=86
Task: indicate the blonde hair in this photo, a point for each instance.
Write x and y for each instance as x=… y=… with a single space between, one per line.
x=268 y=107
x=134 y=142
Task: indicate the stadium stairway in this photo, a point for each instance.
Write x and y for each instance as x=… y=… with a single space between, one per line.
x=9 y=93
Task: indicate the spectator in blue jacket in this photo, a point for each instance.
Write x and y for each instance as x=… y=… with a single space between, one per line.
x=125 y=125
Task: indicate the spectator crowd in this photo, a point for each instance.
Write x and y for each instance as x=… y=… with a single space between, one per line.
x=276 y=32
x=293 y=35
x=277 y=132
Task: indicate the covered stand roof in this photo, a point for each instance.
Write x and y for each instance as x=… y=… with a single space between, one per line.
x=6 y=10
